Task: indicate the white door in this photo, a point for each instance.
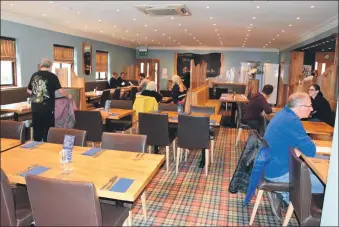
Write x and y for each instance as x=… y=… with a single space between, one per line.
x=271 y=76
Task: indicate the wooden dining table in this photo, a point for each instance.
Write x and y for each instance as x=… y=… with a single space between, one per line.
x=319 y=128
x=19 y=107
x=233 y=98
x=96 y=169
x=318 y=166
x=173 y=117
x=323 y=147
x=114 y=113
x=6 y=143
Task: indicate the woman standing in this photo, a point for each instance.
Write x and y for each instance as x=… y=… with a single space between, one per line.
x=321 y=108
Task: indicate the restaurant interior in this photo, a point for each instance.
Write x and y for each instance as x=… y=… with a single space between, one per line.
x=169 y=113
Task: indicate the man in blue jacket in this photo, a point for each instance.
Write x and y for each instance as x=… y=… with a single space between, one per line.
x=286 y=130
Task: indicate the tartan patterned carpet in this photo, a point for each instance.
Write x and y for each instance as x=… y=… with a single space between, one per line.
x=192 y=199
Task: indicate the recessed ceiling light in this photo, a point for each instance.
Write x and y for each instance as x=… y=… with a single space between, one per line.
x=134 y=19
x=173 y=40
x=78 y=12
x=99 y=20
x=219 y=38
x=248 y=30
x=298 y=18
x=207 y=7
x=251 y=24
x=163 y=34
x=185 y=30
x=146 y=25
x=118 y=10
x=217 y=34
x=51 y=2
x=172 y=18
x=214 y=24
x=179 y=43
x=152 y=40
x=312 y=7
x=137 y=34
x=282 y=30
x=100 y=31
x=269 y=42
x=216 y=30
x=323 y=50
x=277 y=35
x=253 y=18
x=258 y=7
x=126 y=30
x=290 y=25
x=158 y=43
x=200 y=43
x=85 y=26
x=123 y=38
x=114 y=26
x=247 y=35
x=273 y=39
x=211 y=18
x=113 y=34
x=169 y=37
x=179 y=24
x=155 y=30
x=190 y=34
x=43 y=14
x=145 y=37
x=193 y=37
x=68 y=22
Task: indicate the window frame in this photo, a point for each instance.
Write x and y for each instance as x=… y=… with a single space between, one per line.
x=98 y=78
x=98 y=73
x=14 y=73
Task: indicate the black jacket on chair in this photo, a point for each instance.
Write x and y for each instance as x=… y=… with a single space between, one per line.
x=242 y=174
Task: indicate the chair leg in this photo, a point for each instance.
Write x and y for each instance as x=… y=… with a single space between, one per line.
x=31 y=131
x=150 y=149
x=206 y=161
x=238 y=136
x=174 y=150
x=178 y=160
x=167 y=158
x=144 y=208
x=289 y=213
x=186 y=153
x=130 y=131
x=92 y=144
x=212 y=151
x=130 y=218
x=256 y=205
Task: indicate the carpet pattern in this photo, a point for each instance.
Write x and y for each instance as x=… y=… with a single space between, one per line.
x=192 y=199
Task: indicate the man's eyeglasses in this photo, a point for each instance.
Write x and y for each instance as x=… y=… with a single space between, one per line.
x=306 y=105
x=311 y=89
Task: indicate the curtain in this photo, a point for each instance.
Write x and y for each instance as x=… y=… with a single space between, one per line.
x=7 y=50
x=101 y=60
x=63 y=54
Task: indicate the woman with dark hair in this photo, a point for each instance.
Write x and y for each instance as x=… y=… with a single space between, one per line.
x=321 y=108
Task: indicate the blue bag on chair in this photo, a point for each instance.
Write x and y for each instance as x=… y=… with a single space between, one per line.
x=260 y=163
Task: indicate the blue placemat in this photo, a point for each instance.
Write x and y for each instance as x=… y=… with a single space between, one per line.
x=122 y=185
x=31 y=144
x=92 y=151
x=174 y=118
x=212 y=121
x=113 y=114
x=35 y=171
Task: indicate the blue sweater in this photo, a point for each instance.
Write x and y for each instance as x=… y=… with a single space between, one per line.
x=285 y=130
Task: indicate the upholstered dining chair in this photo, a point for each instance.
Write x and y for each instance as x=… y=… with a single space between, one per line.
x=124 y=142
x=57 y=202
x=56 y=135
x=13 y=130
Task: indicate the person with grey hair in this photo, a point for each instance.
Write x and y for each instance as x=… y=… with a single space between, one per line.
x=286 y=130
x=41 y=88
x=151 y=91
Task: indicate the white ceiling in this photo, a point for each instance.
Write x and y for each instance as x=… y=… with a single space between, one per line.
x=232 y=19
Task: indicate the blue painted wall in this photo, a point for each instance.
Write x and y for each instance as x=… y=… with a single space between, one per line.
x=34 y=43
x=231 y=59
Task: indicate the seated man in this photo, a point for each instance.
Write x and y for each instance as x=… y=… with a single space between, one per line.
x=286 y=130
x=257 y=104
x=142 y=82
x=115 y=81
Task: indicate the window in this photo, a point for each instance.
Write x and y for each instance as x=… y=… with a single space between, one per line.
x=101 y=61
x=8 y=62
x=63 y=58
x=323 y=68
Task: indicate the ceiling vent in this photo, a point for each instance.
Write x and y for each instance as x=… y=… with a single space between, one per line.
x=165 y=10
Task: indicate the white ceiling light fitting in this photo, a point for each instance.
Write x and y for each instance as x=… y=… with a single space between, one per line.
x=165 y=10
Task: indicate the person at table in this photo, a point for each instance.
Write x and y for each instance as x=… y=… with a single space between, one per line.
x=178 y=89
x=286 y=130
x=186 y=77
x=151 y=91
x=123 y=82
x=115 y=81
x=142 y=82
x=255 y=107
x=41 y=88
x=321 y=108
